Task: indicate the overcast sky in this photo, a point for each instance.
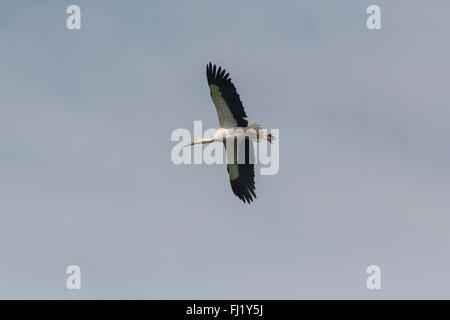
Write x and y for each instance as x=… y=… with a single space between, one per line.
x=86 y=176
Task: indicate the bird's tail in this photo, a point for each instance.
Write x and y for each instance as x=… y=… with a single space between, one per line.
x=255 y=126
x=252 y=131
x=259 y=135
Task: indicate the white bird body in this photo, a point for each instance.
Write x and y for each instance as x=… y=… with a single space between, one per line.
x=234 y=128
x=249 y=133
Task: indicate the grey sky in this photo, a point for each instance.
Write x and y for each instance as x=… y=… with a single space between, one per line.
x=85 y=170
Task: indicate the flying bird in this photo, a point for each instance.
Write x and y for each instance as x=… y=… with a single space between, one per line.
x=233 y=126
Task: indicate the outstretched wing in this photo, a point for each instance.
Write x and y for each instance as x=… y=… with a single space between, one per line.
x=223 y=93
x=242 y=173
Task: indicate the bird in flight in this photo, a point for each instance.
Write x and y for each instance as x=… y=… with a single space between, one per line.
x=233 y=127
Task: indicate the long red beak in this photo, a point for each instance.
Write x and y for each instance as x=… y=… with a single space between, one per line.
x=189 y=144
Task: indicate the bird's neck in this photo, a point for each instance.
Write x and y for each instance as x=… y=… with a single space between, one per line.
x=209 y=140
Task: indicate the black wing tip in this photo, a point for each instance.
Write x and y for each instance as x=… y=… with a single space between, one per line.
x=248 y=196
x=245 y=193
x=216 y=74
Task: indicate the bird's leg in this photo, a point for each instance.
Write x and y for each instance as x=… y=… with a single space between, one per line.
x=269 y=137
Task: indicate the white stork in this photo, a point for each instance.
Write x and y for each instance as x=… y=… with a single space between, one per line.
x=233 y=126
